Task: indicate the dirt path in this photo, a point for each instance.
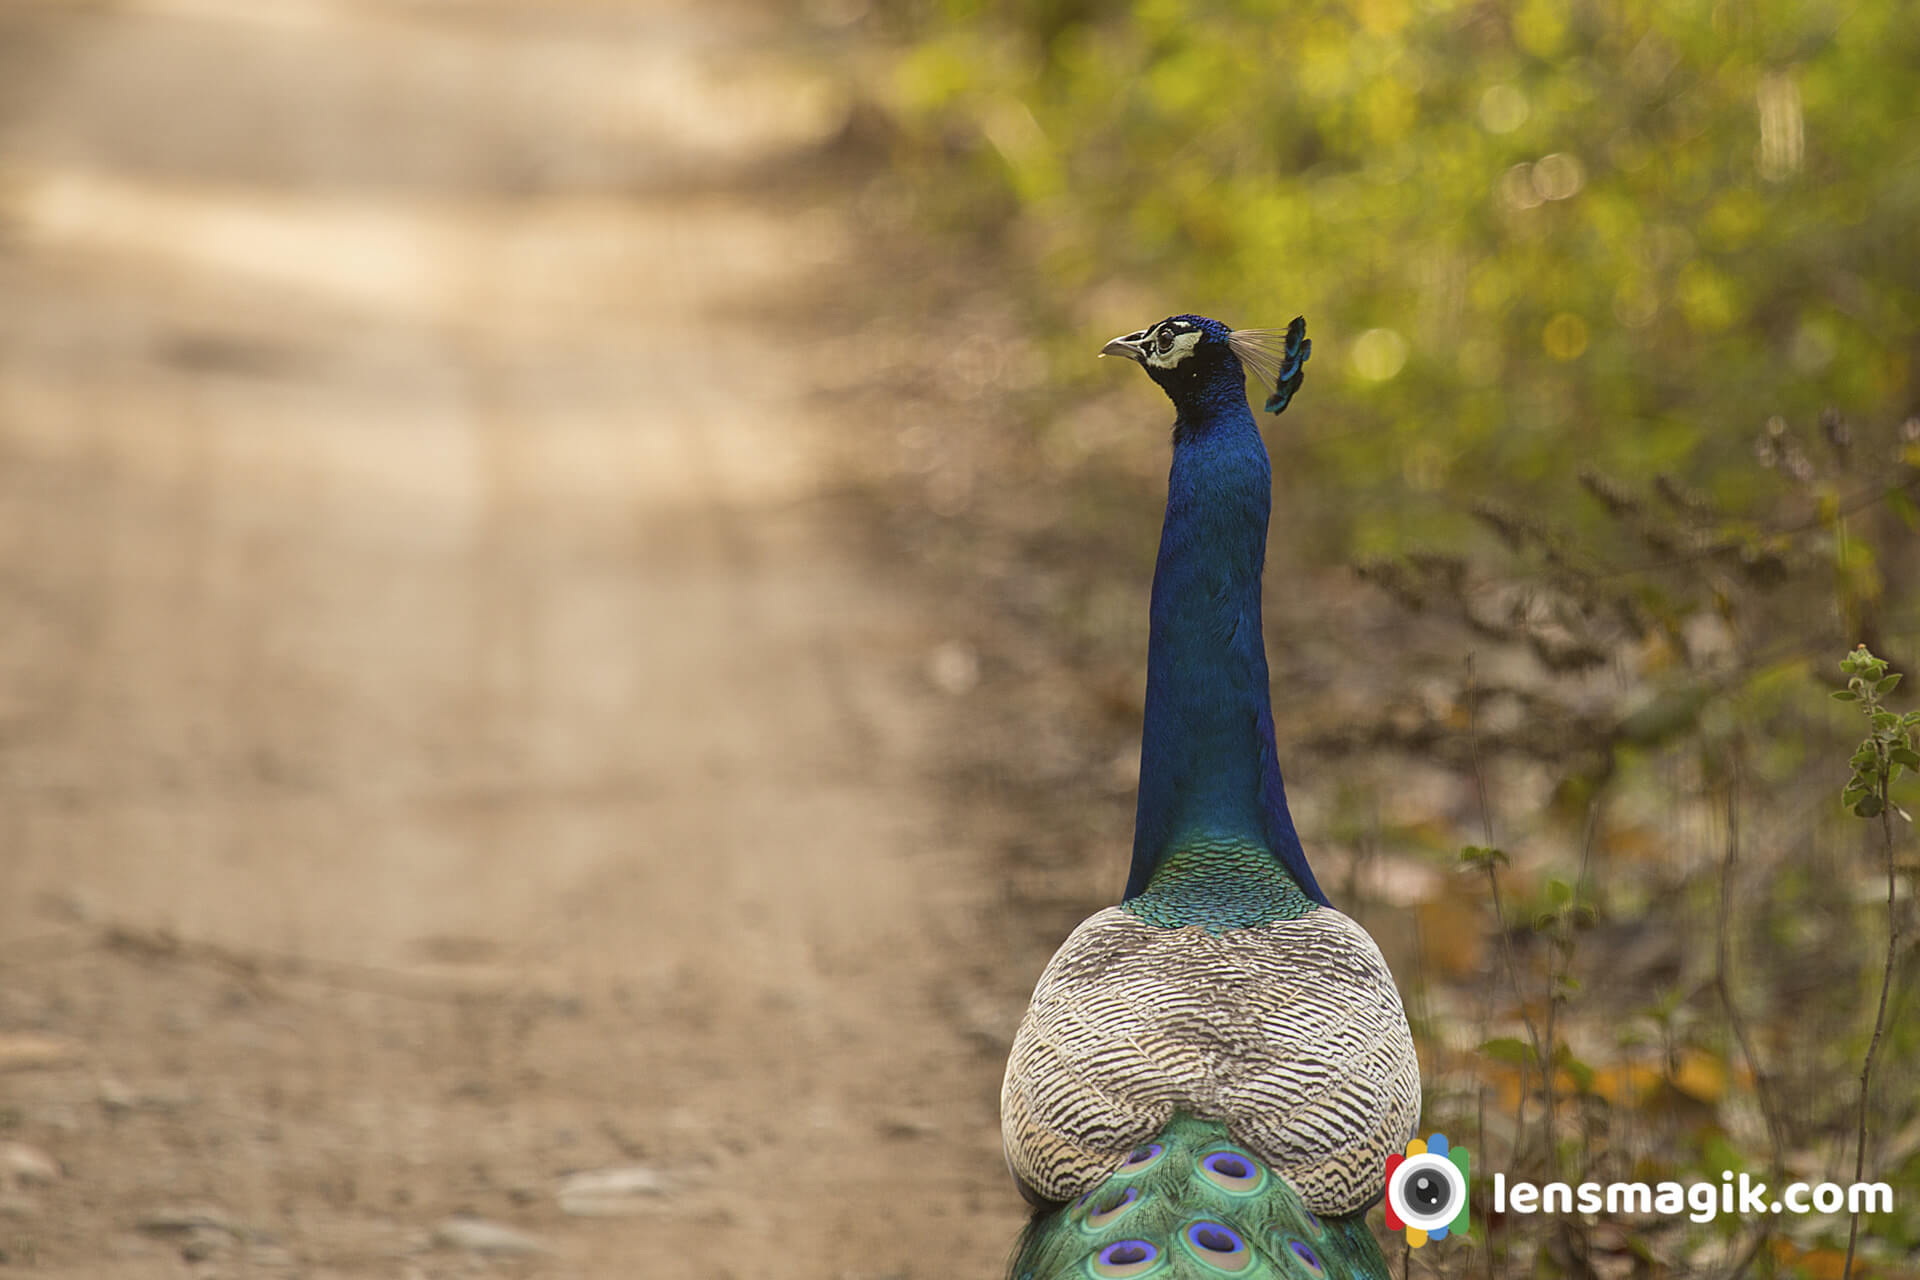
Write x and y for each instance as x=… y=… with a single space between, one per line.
x=444 y=742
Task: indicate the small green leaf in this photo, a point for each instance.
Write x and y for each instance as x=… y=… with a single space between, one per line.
x=1482 y=856
x=1867 y=807
x=1582 y=1073
x=1845 y=695
x=1906 y=756
x=1888 y=685
x=1508 y=1050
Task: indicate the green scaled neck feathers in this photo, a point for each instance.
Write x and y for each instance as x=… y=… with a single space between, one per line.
x=1219 y=885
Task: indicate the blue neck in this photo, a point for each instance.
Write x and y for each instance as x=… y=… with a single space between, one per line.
x=1209 y=773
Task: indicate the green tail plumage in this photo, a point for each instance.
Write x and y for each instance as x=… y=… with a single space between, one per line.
x=1194 y=1203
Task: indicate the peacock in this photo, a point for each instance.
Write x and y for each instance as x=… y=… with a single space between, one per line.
x=1211 y=1074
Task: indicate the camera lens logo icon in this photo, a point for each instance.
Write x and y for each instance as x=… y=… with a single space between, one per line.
x=1427 y=1190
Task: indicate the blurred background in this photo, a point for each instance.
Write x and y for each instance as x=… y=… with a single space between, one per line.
x=574 y=601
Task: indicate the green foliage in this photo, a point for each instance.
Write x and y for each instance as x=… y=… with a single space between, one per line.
x=1528 y=233
x=1480 y=857
x=1508 y=1049
x=1888 y=747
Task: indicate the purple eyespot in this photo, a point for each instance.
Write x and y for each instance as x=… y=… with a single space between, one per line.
x=1214 y=1238
x=1218 y=1246
x=1305 y=1253
x=1143 y=1155
x=1233 y=1171
x=1125 y=1258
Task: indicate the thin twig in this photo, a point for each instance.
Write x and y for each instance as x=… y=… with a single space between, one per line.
x=1480 y=1137
x=1879 y=1017
x=1745 y=1261
x=1564 y=945
x=1723 y=966
x=1500 y=923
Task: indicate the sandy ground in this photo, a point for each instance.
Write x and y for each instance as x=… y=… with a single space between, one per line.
x=448 y=741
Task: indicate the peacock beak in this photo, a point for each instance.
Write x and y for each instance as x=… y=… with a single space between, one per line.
x=1130 y=345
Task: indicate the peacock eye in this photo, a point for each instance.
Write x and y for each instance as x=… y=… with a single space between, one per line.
x=1219 y=1245
x=1125 y=1258
x=1307 y=1256
x=1231 y=1171
x=1140 y=1157
x=1166 y=341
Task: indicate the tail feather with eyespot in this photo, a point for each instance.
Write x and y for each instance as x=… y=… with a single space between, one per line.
x=1194 y=1203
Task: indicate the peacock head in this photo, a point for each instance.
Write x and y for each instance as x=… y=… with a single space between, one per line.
x=1195 y=358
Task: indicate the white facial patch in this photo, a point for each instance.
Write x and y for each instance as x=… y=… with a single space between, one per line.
x=1168 y=348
